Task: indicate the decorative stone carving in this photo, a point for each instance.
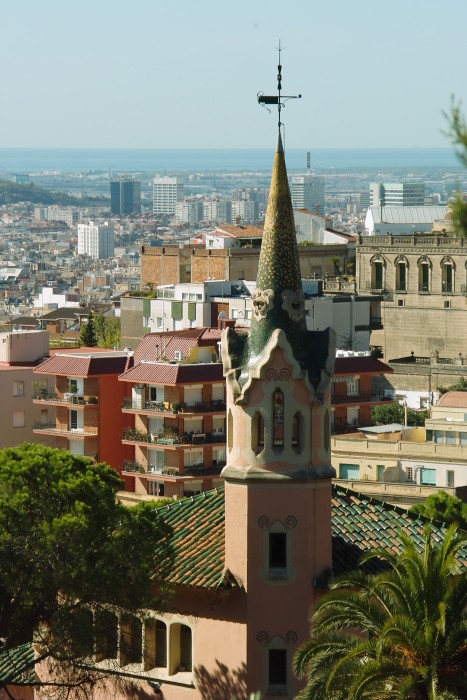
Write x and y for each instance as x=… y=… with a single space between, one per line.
x=291 y=521
x=262 y=303
x=293 y=304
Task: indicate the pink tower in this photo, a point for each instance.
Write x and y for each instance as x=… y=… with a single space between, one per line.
x=278 y=472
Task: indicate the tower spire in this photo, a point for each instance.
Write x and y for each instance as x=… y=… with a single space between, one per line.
x=278 y=99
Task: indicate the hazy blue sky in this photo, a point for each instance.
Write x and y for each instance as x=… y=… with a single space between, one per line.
x=168 y=73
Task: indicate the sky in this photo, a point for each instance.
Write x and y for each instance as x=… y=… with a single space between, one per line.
x=185 y=73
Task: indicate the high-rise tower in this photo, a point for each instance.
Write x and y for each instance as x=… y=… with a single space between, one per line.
x=278 y=473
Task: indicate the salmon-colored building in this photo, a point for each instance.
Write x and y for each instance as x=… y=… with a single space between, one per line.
x=177 y=414
x=86 y=402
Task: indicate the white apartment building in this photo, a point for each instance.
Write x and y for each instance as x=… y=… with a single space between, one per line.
x=308 y=193
x=217 y=211
x=246 y=211
x=190 y=211
x=166 y=192
x=96 y=240
x=69 y=215
x=397 y=194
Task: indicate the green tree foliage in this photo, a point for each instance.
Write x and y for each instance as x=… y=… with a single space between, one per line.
x=443 y=507
x=107 y=331
x=393 y=412
x=457 y=132
x=13 y=192
x=397 y=635
x=87 y=334
x=66 y=546
x=460 y=385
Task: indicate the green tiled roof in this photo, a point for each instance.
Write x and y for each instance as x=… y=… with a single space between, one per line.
x=198 y=541
x=17 y=665
x=359 y=524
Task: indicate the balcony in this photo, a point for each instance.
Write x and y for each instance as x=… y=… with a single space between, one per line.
x=172 y=439
x=51 y=428
x=192 y=470
x=164 y=408
x=68 y=398
x=360 y=398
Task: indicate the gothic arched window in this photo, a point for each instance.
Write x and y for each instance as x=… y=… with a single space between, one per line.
x=278 y=418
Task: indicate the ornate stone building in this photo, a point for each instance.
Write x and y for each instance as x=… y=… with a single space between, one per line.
x=423 y=278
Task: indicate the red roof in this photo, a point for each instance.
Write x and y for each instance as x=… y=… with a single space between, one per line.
x=360 y=365
x=70 y=364
x=171 y=374
x=166 y=344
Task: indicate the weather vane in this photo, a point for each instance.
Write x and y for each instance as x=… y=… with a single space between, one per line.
x=278 y=99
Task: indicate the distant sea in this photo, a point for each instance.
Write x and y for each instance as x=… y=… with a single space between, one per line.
x=39 y=160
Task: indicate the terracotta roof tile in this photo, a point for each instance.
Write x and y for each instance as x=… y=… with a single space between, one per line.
x=172 y=374
x=453 y=399
x=84 y=365
x=359 y=524
x=239 y=231
x=155 y=345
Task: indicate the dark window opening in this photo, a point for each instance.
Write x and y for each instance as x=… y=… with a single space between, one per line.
x=377 y=275
x=424 y=277
x=260 y=432
x=401 y=277
x=278 y=418
x=161 y=644
x=277 y=667
x=185 y=648
x=277 y=550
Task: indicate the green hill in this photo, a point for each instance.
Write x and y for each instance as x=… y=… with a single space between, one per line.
x=13 y=192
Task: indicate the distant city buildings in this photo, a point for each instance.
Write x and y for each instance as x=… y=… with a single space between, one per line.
x=397 y=194
x=69 y=215
x=167 y=191
x=308 y=193
x=125 y=196
x=96 y=240
x=403 y=220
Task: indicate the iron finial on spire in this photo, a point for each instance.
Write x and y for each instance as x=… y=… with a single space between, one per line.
x=278 y=99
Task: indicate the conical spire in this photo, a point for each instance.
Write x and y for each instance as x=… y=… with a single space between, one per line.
x=278 y=301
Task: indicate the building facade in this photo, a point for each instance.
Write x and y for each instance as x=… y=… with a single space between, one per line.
x=308 y=193
x=96 y=240
x=166 y=191
x=424 y=282
x=397 y=194
x=125 y=196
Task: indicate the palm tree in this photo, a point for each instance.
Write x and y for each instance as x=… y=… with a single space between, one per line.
x=397 y=635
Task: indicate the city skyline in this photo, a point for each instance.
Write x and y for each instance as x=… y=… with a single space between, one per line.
x=187 y=75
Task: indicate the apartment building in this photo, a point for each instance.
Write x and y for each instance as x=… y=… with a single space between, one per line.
x=177 y=406
x=96 y=240
x=166 y=192
x=80 y=389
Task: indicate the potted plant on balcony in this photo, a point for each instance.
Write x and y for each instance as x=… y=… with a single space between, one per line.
x=179 y=407
x=92 y=400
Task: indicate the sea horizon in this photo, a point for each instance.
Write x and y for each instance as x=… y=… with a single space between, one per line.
x=165 y=160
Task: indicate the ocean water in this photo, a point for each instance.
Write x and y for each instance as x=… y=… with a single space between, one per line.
x=39 y=160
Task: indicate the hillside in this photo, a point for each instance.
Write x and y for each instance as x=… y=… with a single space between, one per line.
x=13 y=192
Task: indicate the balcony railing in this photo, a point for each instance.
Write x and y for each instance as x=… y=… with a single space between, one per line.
x=190 y=470
x=68 y=398
x=164 y=407
x=52 y=427
x=360 y=398
x=171 y=439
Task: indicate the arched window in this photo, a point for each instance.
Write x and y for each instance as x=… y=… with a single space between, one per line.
x=181 y=649
x=401 y=274
x=278 y=418
x=424 y=270
x=131 y=640
x=106 y=631
x=155 y=644
x=377 y=273
x=447 y=276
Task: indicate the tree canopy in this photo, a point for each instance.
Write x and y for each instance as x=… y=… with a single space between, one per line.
x=66 y=545
x=457 y=132
x=397 y=635
x=107 y=331
x=87 y=334
x=393 y=412
x=443 y=507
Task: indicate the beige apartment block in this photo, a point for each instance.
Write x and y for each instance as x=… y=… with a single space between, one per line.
x=423 y=278
x=20 y=352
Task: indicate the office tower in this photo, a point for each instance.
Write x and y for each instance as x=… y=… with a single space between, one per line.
x=125 y=196
x=397 y=194
x=96 y=240
x=166 y=192
x=308 y=193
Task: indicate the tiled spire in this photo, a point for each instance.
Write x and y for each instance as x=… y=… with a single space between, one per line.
x=278 y=301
